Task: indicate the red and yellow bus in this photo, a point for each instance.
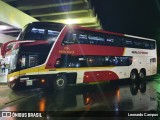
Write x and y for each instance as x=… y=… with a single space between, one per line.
x=54 y=55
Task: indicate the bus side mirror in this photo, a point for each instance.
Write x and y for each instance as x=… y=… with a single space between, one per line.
x=5 y=48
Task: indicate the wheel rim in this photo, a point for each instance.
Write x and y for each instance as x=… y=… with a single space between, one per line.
x=60 y=82
x=133 y=76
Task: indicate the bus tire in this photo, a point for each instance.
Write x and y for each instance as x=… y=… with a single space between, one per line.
x=142 y=75
x=134 y=76
x=60 y=82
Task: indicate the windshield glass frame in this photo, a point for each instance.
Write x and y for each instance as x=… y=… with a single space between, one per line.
x=46 y=30
x=53 y=29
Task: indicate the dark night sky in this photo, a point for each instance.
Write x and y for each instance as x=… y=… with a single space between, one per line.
x=135 y=17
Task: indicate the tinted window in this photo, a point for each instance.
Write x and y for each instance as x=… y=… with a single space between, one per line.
x=75 y=37
x=153 y=60
x=68 y=61
x=146 y=45
x=42 y=32
x=109 y=41
x=152 y=45
x=125 y=61
x=71 y=38
x=33 y=55
x=94 y=61
x=82 y=37
x=138 y=44
x=96 y=39
x=129 y=43
x=113 y=40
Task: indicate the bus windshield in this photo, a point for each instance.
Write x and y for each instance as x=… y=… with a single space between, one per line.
x=26 y=56
x=13 y=60
x=41 y=31
x=31 y=56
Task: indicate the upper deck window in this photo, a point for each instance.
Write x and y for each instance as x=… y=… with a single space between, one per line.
x=41 y=31
x=75 y=37
x=112 y=40
x=97 y=38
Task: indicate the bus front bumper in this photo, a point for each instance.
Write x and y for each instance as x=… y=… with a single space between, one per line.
x=39 y=83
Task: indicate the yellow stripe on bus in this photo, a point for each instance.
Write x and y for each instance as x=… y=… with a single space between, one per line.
x=15 y=74
x=39 y=70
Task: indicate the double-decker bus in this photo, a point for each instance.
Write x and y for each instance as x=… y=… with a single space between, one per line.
x=54 y=55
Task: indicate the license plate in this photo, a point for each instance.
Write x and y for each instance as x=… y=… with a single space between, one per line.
x=29 y=82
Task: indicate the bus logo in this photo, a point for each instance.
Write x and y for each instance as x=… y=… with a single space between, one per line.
x=139 y=52
x=66 y=50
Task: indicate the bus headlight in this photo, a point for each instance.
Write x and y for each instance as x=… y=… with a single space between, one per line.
x=12 y=78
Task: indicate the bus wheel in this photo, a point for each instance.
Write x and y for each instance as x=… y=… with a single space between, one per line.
x=142 y=75
x=134 y=76
x=60 y=82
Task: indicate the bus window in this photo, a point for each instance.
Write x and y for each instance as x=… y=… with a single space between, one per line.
x=96 y=39
x=107 y=62
x=75 y=38
x=126 y=42
x=117 y=61
x=109 y=41
x=82 y=61
x=82 y=37
x=113 y=61
x=137 y=44
x=117 y=42
x=152 y=45
x=94 y=61
x=43 y=32
x=70 y=38
x=52 y=35
x=33 y=60
x=125 y=61
x=129 y=43
x=146 y=45
x=113 y=41
x=153 y=60
x=23 y=62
